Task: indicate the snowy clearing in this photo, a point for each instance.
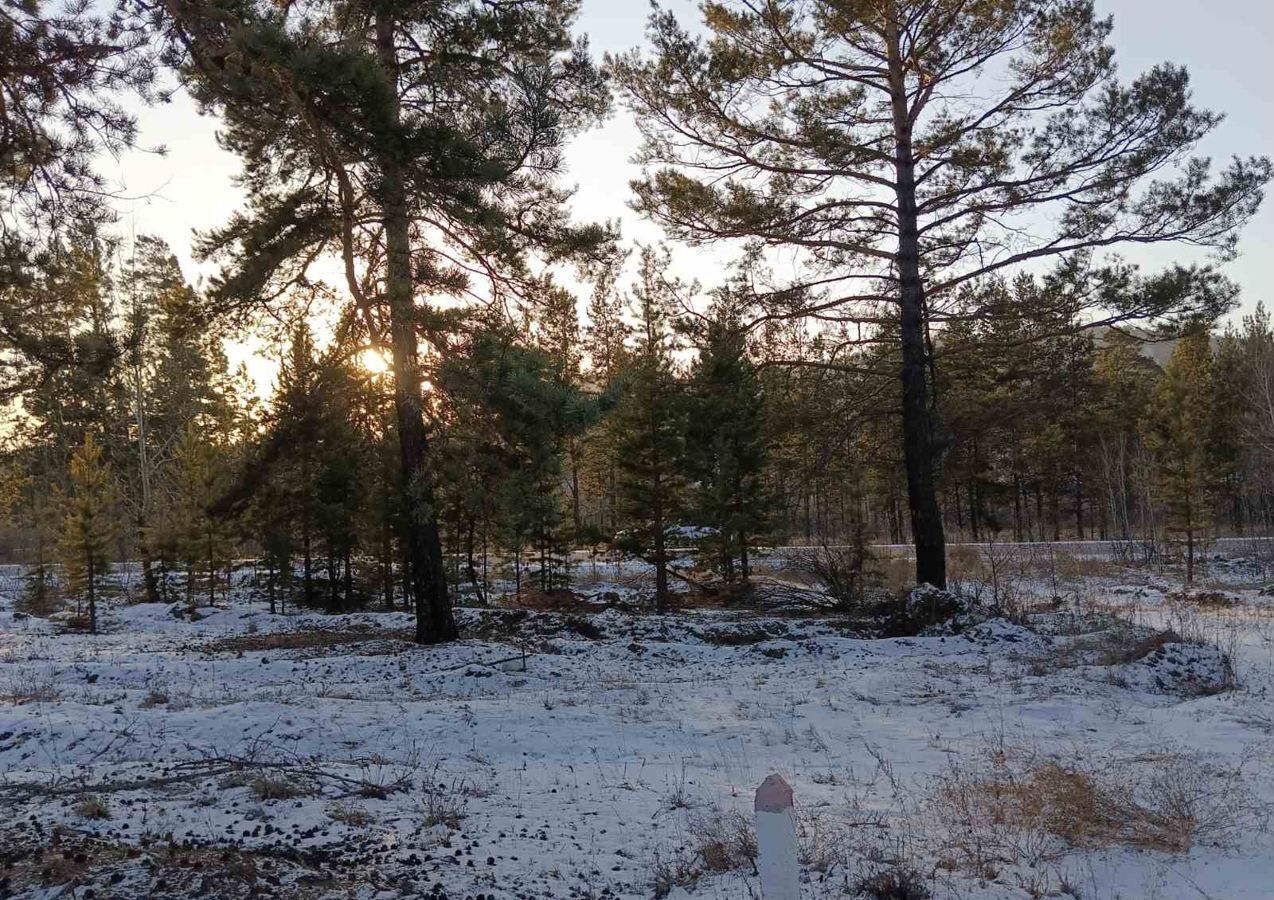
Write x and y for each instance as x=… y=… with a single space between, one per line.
x=613 y=754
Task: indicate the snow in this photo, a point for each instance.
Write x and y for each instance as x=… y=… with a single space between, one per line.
x=596 y=754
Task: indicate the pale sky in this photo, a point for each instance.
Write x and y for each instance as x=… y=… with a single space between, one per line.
x=1228 y=46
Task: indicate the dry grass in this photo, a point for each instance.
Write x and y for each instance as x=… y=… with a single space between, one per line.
x=563 y=600
x=317 y=638
x=68 y=863
x=30 y=685
x=349 y=815
x=903 y=883
x=92 y=806
x=154 y=697
x=1016 y=807
x=1204 y=599
x=1128 y=644
x=272 y=787
x=444 y=805
x=725 y=841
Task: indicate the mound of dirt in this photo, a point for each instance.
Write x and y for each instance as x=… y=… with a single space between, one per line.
x=1190 y=670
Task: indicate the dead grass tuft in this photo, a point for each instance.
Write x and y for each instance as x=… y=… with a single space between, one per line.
x=31 y=686
x=1128 y=644
x=902 y=883
x=271 y=787
x=92 y=806
x=153 y=698
x=1204 y=599
x=670 y=872
x=560 y=600
x=1016 y=807
x=444 y=805
x=725 y=841
x=349 y=815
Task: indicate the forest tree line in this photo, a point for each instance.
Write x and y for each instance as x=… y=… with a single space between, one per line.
x=876 y=365
x=644 y=428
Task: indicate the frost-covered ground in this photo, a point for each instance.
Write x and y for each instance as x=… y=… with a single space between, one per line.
x=611 y=754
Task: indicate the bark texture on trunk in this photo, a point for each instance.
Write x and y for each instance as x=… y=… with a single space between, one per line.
x=434 y=620
x=918 y=445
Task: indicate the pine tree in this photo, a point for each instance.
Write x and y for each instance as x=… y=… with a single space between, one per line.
x=1125 y=381
x=63 y=68
x=338 y=483
x=420 y=143
x=513 y=410
x=89 y=525
x=1228 y=380
x=1256 y=347
x=1179 y=433
x=726 y=434
x=604 y=337
x=199 y=478
x=650 y=424
x=911 y=147
x=559 y=337
x=604 y=345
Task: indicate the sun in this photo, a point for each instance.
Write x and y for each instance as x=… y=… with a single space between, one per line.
x=373 y=362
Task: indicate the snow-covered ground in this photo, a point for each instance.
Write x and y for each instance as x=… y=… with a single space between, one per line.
x=606 y=753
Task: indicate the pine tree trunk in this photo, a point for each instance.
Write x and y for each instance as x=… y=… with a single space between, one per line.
x=1189 y=522
x=212 y=572
x=41 y=569
x=918 y=451
x=149 y=580
x=333 y=586
x=143 y=471
x=661 y=552
x=434 y=620
x=387 y=561
x=576 y=520
x=92 y=595
x=1079 y=509
x=307 y=585
x=471 y=562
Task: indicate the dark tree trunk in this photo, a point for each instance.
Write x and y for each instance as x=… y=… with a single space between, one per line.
x=918 y=450
x=434 y=620
x=212 y=571
x=1017 y=506
x=577 y=521
x=333 y=585
x=307 y=573
x=149 y=580
x=387 y=562
x=92 y=595
x=661 y=553
x=657 y=514
x=1079 y=509
x=471 y=563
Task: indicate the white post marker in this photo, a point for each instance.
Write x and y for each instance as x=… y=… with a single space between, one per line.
x=776 y=841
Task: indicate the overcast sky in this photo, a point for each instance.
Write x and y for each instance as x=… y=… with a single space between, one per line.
x=1228 y=46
